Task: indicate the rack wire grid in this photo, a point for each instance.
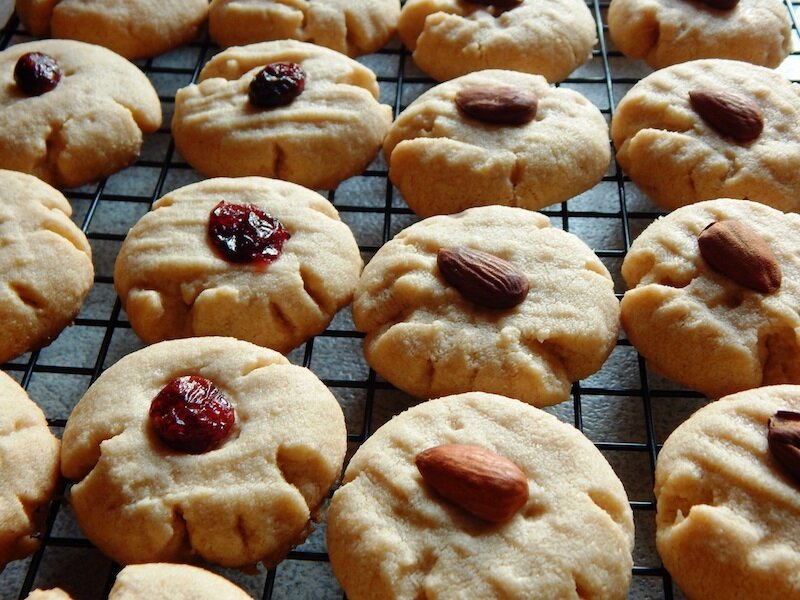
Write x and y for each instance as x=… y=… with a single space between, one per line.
x=625 y=409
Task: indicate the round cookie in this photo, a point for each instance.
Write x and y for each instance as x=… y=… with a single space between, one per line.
x=132 y=28
x=728 y=513
x=444 y=161
x=677 y=158
x=45 y=264
x=89 y=126
x=449 y=38
x=28 y=471
x=330 y=132
x=350 y=27
x=161 y=581
x=249 y=500
x=428 y=339
x=174 y=283
x=666 y=32
x=701 y=327
x=391 y=536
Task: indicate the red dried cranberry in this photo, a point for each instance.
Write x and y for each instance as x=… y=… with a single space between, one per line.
x=191 y=415
x=36 y=73
x=277 y=84
x=246 y=233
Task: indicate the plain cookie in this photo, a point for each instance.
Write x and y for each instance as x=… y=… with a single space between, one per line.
x=444 y=161
x=46 y=266
x=132 y=28
x=428 y=339
x=700 y=327
x=347 y=26
x=28 y=471
x=391 y=536
x=666 y=32
x=174 y=283
x=88 y=127
x=330 y=132
x=249 y=500
x=728 y=514
x=449 y=38
x=677 y=158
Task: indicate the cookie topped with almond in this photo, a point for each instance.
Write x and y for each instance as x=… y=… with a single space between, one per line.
x=480 y=496
x=491 y=299
x=714 y=290
x=711 y=129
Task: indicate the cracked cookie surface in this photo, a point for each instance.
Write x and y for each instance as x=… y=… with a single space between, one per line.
x=390 y=536
x=173 y=283
x=250 y=500
x=676 y=158
x=46 y=266
x=666 y=32
x=728 y=514
x=131 y=28
x=449 y=38
x=444 y=161
x=700 y=327
x=330 y=132
x=28 y=471
x=427 y=339
x=352 y=27
x=88 y=127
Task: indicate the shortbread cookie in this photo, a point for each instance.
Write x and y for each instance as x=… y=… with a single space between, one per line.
x=28 y=471
x=87 y=126
x=676 y=157
x=427 y=337
x=390 y=535
x=449 y=38
x=240 y=483
x=666 y=32
x=704 y=328
x=161 y=581
x=329 y=128
x=443 y=160
x=174 y=281
x=132 y=28
x=728 y=520
x=349 y=27
x=45 y=264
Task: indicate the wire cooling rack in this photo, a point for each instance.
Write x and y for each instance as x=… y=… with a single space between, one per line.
x=626 y=410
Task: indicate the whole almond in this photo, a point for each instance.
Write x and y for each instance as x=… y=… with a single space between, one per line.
x=783 y=438
x=484 y=483
x=483 y=278
x=721 y=4
x=498 y=104
x=728 y=113
x=735 y=250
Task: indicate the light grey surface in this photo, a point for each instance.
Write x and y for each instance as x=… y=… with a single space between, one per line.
x=612 y=405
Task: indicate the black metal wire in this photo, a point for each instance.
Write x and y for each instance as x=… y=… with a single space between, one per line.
x=369 y=387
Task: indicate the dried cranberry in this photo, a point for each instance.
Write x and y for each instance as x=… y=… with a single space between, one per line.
x=37 y=73
x=277 y=84
x=191 y=415
x=246 y=233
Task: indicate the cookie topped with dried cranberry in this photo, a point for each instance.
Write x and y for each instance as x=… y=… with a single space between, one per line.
x=492 y=299
x=352 y=28
x=28 y=471
x=710 y=129
x=132 y=28
x=259 y=259
x=316 y=120
x=46 y=268
x=72 y=113
x=209 y=448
